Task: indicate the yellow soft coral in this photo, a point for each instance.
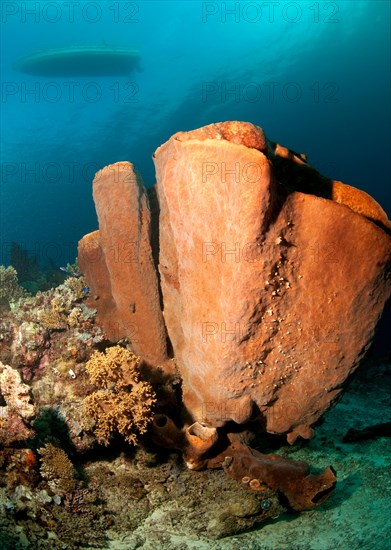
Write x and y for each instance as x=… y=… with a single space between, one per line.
x=124 y=403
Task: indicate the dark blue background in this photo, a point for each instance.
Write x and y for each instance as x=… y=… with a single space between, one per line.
x=343 y=51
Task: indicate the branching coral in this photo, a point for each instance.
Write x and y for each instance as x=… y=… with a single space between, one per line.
x=9 y=288
x=77 y=285
x=52 y=310
x=56 y=315
x=57 y=469
x=52 y=319
x=124 y=403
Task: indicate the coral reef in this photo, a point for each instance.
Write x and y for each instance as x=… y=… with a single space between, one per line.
x=150 y=498
x=34 y=321
x=10 y=290
x=20 y=468
x=57 y=469
x=52 y=319
x=15 y=393
x=124 y=404
x=51 y=360
x=18 y=410
x=222 y=287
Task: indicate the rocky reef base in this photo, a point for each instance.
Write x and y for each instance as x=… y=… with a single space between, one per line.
x=133 y=414
x=62 y=488
x=141 y=499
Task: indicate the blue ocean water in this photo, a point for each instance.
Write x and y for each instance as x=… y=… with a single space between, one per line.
x=314 y=75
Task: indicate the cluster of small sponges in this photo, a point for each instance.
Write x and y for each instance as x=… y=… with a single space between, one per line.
x=122 y=403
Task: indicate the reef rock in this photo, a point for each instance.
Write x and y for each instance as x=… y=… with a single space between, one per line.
x=271 y=294
x=118 y=264
x=18 y=410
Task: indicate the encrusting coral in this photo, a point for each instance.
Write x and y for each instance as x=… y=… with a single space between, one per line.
x=124 y=403
x=15 y=393
x=18 y=410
